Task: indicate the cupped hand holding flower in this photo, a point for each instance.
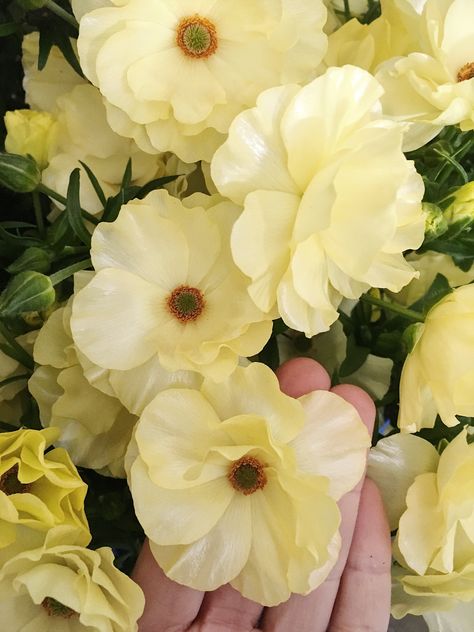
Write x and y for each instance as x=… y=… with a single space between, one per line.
x=361 y=575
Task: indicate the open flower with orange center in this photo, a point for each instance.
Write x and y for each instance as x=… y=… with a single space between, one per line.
x=237 y=482
x=175 y=74
x=166 y=288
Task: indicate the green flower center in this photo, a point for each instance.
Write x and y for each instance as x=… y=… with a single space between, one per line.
x=196 y=37
x=186 y=303
x=10 y=483
x=466 y=72
x=247 y=475
x=55 y=608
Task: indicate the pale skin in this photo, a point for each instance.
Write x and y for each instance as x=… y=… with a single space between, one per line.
x=354 y=598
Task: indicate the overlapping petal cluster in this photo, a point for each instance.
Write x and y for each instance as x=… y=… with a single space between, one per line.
x=438 y=374
x=166 y=288
x=330 y=201
x=39 y=491
x=67 y=587
x=237 y=482
x=174 y=75
x=434 y=547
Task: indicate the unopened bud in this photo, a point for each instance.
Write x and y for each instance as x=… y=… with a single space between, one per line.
x=27 y=292
x=34 y=259
x=435 y=222
x=19 y=173
x=462 y=206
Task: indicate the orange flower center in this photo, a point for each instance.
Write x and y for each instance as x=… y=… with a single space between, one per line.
x=466 y=72
x=247 y=475
x=10 y=484
x=197 y=37
x=186 y=303
x=55 y=608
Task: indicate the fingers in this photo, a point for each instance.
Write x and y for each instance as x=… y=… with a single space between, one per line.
x=226 y=610
x=169 y=606
x=302 y=375
x=363 y=601
x=313 y=612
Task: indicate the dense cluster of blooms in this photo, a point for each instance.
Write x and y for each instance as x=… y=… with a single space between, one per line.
x=218 y=187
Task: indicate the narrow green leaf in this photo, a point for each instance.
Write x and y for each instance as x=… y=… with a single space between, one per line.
x=356 y=355
x=14 y=378
x=159 y=183
x=73 y=209
x=437 y=290
x=95 y=183
x=45 y=46
x=64 y=44
x=127 y=176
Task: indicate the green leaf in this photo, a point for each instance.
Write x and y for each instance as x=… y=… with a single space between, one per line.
x=45 y=45
x=73 y=209
x=95 y=183
x=63 y=42
x=8 y=28
x=356 y=355
x=159 y=183
x=270 y=354
x=437 y=290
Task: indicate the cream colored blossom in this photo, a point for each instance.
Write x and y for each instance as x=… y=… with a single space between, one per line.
x=12 y=392
x=237 y=482
x=68 y=588
x=434 y=547
x=438 y=374
x=30 y=132
x=174 y=75
x=330 y=349
x=38 y=492
x=326 y=218
x=433 y=85
x=166 y=288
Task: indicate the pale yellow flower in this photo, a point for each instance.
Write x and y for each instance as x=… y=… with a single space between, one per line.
x=12 y=392
x=324 y=219
x=438 y=374
x=213 y=59
x=166 y=288
x=237 y=482
x=68 y=588
x=434 y=548
x=30 y=132
x=38 y=492
x=432 y=86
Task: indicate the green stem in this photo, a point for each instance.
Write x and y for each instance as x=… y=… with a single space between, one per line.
x=347 y=10
x=393 y=307
x=38 y=214
x=22 y=355
x=65 y=273
x=42 y=188
x=14 y=378
x=62 y=13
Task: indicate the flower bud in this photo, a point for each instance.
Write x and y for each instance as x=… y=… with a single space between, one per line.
x=34 y=259
x=19 y=173
x=462 y=206
x=32 y=5
x=27 y=292
x=30 y=133
x=435 y=223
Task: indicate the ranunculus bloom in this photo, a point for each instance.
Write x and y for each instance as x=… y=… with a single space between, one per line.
x=330 y=200
x=438 y=374
x=175 y=74
x=68 y=588
x=30 y=132
x=237 y=482
x=166 y=288
x=434 y=547
x=39 y=492
x=433 y=86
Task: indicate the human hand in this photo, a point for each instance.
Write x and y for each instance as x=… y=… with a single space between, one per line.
x=354 y=598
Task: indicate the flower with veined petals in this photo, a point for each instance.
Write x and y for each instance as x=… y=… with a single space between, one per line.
x=438 y=374
x=330 y=201
x=38 y=492
x=166 y=287
x=175 y=74
x=433 y=85
x=434 y=547
x=237 y=482
x=68 y=588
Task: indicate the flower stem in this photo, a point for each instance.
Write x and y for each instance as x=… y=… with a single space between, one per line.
x=62 y=13
x=393 y=307
x=38 y=214
x=65 y=273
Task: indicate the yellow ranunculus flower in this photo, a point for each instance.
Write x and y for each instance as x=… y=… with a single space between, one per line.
x=432 y=86
x=438 y=374
x=213 y=60
x=434 y=547
x=38 y=492
x=324 y=219
x=166 y=288
x=68 y=588
x=30 y=132
x=237 y=482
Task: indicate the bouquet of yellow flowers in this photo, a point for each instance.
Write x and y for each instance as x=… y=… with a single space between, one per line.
x=194 y=193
